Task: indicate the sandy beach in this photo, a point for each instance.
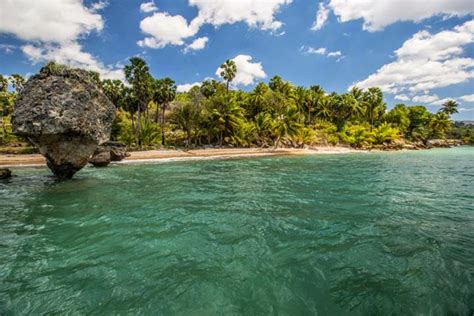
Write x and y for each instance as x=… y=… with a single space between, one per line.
x=150 y=156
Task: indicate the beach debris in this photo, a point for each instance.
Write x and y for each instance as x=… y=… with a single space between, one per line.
x=5 y=173
x=65 y=114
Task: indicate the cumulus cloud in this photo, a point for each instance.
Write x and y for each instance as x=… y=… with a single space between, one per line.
x=321 y=17
x=101 y=5
x=163 y=29
x=247 y=71
x=52 y=30
x=427 y=61
x=426 y=98
x=467 y=98
x=402 y=97
x=148 y=7
x=334 y=54
x=48 y=20
x=377 y=14
x=71 y=54
x=197 y=44
x=255 y=13
x=187 y=86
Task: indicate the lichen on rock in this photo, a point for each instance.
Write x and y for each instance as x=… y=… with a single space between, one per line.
x=65 y=114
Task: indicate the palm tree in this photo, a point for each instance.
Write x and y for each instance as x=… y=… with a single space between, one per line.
x=113 y=89
x=209 y=88
x=374 y=105
x=286 y=124
x=228 y=71
x=439 y=124
x=3 y=84
x=164 y=94
x=449 y=107
x=138 y=76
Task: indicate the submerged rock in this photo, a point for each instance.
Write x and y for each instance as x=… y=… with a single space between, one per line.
x=66 y=115
x=5 y=173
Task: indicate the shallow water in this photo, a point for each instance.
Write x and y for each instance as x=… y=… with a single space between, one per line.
x=379 y=233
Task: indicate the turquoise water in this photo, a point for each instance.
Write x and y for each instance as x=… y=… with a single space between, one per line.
x=357 y=234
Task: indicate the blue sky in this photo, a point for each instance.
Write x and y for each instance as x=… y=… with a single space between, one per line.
x=419 y=52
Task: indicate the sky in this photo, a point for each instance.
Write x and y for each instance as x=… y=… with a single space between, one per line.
x=417 y=51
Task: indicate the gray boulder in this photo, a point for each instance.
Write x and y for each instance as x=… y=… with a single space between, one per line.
x=5 y=173
x=101 y=157
x=66 y=115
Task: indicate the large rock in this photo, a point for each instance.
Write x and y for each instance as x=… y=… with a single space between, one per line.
x=108 y=152
x=101 y=157
x=66 y=115
x=5 y=173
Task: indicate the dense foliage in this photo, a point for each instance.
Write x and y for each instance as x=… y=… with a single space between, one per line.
x=151 y=112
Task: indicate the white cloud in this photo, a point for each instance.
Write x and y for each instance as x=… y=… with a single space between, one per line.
x=101 y=5
x=321 y=17
x=52 y=29
x=48 y=20
x=148 y=7
x=377 y=14
x=426 y=98
x=427 y=61
x=466 y=110
x=165 y=30
x=321 y=51
x=314 y=51
x=467 y=98
x=8 y=48
x=402 y=97
x=70 y=54
x=247 y=71
x=197 y=44
x=334 y=54
x=187 y=86
x=255 y=13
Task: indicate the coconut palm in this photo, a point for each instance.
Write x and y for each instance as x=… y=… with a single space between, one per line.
x=373 y=104
x=286 y=124
x=449 y=107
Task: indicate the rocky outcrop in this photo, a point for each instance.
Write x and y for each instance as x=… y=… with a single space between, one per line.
x=66 y=115
x=5 y=173
x=444 y=143
x=108 y=152
x=101 y=157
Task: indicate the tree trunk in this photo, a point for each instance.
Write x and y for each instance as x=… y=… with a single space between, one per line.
x=277 y=142
x=163 y=125
x=157 y=113
x=139 y=127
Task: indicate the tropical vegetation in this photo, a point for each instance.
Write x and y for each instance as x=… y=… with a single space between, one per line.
x=151 y=113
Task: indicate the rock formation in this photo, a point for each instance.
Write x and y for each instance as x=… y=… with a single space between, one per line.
x=66 y=115
x=5 y=173
x=109 y=151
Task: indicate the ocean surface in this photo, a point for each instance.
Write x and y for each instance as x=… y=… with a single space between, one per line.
x=353 y=234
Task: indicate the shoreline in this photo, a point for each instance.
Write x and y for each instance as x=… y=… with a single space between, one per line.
x=156 y=156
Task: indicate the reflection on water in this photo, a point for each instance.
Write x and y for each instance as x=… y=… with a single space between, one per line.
x=345 y=234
